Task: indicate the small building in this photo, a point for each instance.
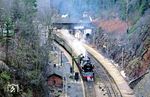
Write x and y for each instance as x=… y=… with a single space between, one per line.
x=55 y=80
x=70 y=23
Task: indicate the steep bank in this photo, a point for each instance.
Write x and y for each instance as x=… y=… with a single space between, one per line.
x=127 y=42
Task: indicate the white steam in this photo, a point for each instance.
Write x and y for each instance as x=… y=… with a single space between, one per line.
x=75 y=43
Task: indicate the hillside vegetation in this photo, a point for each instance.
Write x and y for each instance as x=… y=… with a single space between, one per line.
x=22 y=57
x=125 y=34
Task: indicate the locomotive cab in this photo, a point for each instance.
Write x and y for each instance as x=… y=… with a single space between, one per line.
x=87 y=67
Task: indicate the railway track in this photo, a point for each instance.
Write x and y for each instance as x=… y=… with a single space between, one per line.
x=89 y=88
x=108 y=86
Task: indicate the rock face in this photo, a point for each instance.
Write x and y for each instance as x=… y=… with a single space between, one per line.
x=2 y=55
x=3 y=66
x=2 y=51
x=129 y=48
x=142 y=88
x=139 y=48
x=134 y=50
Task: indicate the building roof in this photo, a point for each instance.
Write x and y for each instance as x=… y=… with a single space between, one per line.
x=55 y=75
x=58 y=70
x=72 y=21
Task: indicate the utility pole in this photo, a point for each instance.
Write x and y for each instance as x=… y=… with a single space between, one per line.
x=122 y=57
x=7 y=42
x=61 y=58
x=94 y=37
x=106 y=43
x=72 y=70
x=72 y=64
x=127 y=14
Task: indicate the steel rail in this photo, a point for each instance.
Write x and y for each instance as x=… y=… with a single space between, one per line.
x=106 y=79
x=89 y=86
x=122 y=85
x=89 y=89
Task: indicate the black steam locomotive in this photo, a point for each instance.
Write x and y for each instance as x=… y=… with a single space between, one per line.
x=86 y=68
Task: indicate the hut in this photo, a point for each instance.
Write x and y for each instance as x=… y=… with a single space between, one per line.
x=55 y=80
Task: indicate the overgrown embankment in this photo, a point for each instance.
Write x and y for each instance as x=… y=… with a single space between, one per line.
x=126 y=39
x=22 y=57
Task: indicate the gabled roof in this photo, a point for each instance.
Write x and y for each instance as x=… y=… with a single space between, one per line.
x=54 y=70
x=55 y=75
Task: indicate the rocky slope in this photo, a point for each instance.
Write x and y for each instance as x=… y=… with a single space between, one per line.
x=134 y=46
x=128 y=42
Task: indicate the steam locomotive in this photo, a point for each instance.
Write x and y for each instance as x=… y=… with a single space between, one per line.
x=86 y=68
